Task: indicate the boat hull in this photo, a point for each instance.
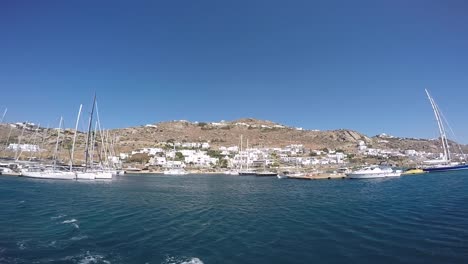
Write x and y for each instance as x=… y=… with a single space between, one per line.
x=85 y=176
x=372 y=176
x=49 y=175
x=267 y=174
x=247 y=173
x=446 y=168
x=104 y=175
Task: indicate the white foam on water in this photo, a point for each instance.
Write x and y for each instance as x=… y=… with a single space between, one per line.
x=174 y=260
x=193 y=261
x=58 y=216
x=89 y=258
x=69 y=221
x=76 y=226
x=21 y=245
x=80 y=237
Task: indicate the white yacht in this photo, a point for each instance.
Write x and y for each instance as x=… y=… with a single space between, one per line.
x=104 y=175
x=36 y=172
x=374 y=172
x=94 y=174
x=85 y=175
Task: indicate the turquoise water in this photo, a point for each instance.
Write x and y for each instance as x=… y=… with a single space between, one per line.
x=229 y=219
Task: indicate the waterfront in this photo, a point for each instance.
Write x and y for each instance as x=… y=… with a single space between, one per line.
x=230 y=219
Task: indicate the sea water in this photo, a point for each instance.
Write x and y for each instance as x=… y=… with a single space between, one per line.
x=230 y=219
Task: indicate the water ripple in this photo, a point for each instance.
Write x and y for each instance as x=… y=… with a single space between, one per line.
x=224 y=219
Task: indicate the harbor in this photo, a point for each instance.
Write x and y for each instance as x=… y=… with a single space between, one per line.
x=233 y=132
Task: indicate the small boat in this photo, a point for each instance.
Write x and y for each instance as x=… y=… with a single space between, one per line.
x=282 y=176
x=413 y=171
x=374 y=172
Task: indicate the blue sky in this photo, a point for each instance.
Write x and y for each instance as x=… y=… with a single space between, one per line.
x=322 y=65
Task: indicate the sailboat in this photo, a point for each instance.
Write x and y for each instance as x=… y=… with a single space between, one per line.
x=247 y=171
x=89 y=172
x=49 y=173
x=445 y=163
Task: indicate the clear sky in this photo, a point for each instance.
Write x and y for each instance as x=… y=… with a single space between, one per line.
x=322 y=65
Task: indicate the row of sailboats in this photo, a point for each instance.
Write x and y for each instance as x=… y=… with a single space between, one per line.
x=89 y=171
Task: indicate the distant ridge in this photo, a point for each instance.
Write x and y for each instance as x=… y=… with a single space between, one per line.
x=260 y=133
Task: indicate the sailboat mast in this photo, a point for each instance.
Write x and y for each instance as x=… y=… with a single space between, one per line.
x=247 y=150
x=241 y=153
x=34 y=140
x=444 y=136
x=57 y=142
x=104 y=157
x=19 y=143
x=74 y=137
x=439 y=124
x=89 y=133
x=3 y=116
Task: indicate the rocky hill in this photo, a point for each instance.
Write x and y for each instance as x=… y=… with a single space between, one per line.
x=260 y=133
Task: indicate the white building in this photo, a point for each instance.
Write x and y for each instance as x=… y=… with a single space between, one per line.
x=23 y=147
x=411 y=152
x=200 y=159
x=149 y=151
x=158 y=161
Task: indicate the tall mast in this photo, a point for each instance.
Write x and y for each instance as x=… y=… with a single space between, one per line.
x=3 y=116
x=34 y=140
x=241 y=154
x=93 y=144
x=74 y=137
x=8 y=140
x=57 y=142
x=103 y=146
x=89 y=132
x=19 y=142
x=247 y=149
x=443 y=137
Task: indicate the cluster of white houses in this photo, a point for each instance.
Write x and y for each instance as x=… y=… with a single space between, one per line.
x=199 y=155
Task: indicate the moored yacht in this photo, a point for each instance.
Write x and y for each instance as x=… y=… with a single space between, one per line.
x=85 y=175
x=39 y=172
x=445 y=163
x=374 y=172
